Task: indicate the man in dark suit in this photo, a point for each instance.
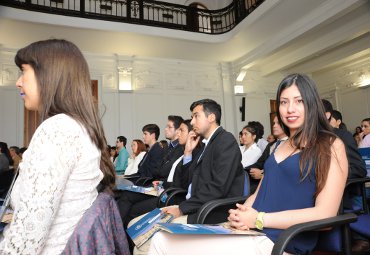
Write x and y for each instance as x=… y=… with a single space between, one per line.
x=153 y=158
x=172 y=152
x=127 y=198
x=357 y=167
x=218 y=172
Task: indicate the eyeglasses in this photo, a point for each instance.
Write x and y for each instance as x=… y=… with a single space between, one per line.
x=364 y=126
x=169 y=127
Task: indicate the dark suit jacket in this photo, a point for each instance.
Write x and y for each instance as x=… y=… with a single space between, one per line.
x=151 y=162
x=218 y=173
x=184 y=173
x=170 y=156
x=357 y=167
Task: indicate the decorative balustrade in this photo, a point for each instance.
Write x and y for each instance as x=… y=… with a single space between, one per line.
x=146 y=12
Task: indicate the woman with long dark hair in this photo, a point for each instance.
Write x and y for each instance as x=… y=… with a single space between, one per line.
x=66 y=162
x=303 y=181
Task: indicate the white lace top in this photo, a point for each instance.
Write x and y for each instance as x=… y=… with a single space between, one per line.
x=57 y=183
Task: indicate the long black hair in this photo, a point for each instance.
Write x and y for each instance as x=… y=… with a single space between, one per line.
x=315 y=137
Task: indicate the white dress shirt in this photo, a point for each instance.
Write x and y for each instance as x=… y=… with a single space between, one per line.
x=250 y=155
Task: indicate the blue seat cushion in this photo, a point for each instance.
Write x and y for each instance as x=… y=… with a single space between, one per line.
x=330 y=240
x=362 y=225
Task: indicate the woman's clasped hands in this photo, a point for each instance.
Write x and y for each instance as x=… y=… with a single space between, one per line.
x=243 y=217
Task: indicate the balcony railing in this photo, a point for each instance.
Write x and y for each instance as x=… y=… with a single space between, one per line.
x=146 y=12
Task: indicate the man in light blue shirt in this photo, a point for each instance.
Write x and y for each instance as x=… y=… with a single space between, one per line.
x=123 y=155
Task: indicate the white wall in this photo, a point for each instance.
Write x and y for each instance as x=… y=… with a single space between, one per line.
x=342 y=90
x=161 y=87
x=257 y=108
x=11 y=115
x=168 y=86
x=165 y=87
x=354 y=106
x=11 y=106
x=258 y=91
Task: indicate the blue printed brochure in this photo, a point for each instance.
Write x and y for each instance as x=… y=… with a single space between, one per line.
x=146 y=227
x=204 y=229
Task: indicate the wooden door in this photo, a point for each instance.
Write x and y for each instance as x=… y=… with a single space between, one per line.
x=31 y=122
x=273 y=111
x=32 y=118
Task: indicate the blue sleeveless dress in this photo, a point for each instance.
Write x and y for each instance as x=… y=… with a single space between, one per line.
x=282 y=189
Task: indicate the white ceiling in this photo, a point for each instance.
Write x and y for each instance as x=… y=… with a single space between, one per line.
x=328 y=38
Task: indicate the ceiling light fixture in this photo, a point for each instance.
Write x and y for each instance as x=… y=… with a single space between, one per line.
x=241 y=75
x=239 y=89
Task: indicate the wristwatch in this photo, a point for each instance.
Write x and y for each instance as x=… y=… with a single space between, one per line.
x=259 y=221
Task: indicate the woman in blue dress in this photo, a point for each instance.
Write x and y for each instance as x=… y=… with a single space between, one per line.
x=303 y=181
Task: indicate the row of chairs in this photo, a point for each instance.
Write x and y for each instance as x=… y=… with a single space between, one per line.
x=337 y=239
x=104 y=210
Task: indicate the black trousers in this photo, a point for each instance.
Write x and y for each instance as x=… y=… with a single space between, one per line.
x=132 y=205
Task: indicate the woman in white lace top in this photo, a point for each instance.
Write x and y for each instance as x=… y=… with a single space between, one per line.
x=66 y=161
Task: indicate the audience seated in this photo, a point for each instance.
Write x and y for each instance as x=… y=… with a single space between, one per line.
x=357 y=138
x=358 y=130
x=255 y=170
x=261 y=143
x=217 y=172
x=153 y=158
x=364 y=137
x=336 y=120
x=174 y=149
x=21 y=151
x=138 y=204
x=138 y=152
x=127 y=198
x=250 y=151
x=121 y=161
x=357 y=134
x=14 y=153
x=113 y=154
x=161 y=169
x=299 y=185
x=357 y=167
